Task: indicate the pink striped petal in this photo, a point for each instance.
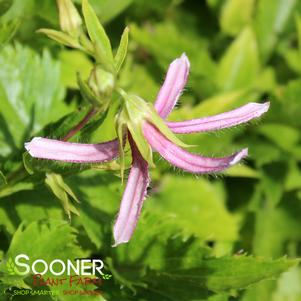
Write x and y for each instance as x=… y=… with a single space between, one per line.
x=190 y=162
x=133 y=198
x=173 y=85
x=225 y=120
x=51 y=149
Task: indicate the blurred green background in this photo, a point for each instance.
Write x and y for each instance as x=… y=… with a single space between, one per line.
x=195 y=235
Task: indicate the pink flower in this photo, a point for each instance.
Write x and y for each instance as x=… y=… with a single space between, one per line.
x=156 y=138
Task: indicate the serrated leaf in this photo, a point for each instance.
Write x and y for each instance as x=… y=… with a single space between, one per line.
x=25 y=80
x=122 y=49
x=51 y=239
x=216 y=275
x=100 y=195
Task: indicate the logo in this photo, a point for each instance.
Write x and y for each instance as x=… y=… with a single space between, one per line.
x=84 y=267
x=75 y=274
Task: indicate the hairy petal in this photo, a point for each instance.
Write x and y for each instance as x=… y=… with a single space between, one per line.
x=173 y=85
x=190 y=162
x=51 y=149
x=225 y=120
x=133 y=197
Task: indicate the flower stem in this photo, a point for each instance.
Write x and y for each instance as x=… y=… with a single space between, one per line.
x=79 y=126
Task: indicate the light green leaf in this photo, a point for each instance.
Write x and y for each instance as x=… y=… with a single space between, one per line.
x=241 y=171
x=218 y=104
x=235 y=15
x=166 y=42
x=122 y=49
x=239 y=66
x=271 y=18
x=107 y=10
x=61 y=190
x=72 y=62
x=97 y=34
x=60 y=37
x=284 y=136
x=7 y=31
x=196 y=203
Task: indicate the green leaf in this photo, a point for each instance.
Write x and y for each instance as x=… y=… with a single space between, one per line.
x=217 y=104
x=97 y=34
x=284 y=136
x=107 y=10
x=270 y=21
x=3 y=181
x=62 y=191
x=100 y=195
x=194 y=203
x=7 y=31
x=51 y=239
x=86 y=92
x=235 y=15
x=72 y=62
x=60 y=37
x=122 y=49
x=215 y=274
x=166 y=42
x=239 y=66
x=29 y=206
x=30 y=95
x=4 y=6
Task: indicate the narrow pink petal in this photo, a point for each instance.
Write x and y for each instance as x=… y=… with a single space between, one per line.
x=225 y=120
x=132 y=199
x=50 y=149
x=173 y=85
x=185 y=160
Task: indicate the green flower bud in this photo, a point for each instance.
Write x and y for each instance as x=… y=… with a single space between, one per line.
x=101 y=82
x=70 y=20
x=134 y=114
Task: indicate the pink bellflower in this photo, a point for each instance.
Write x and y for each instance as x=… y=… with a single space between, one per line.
x=161 y=141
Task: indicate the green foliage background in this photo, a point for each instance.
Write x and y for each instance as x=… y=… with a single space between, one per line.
x=199 y=238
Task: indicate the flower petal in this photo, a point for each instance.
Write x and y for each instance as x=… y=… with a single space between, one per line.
x=133 y=198
x=173 y=85
x=190 y=162
x=51 y=149
x=225 y=120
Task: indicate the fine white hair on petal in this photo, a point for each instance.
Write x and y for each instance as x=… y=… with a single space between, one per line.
x=232 y=118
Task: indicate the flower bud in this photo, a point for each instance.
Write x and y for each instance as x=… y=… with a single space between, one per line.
x=70 y=20
x=101 y=82
x=134 y=114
